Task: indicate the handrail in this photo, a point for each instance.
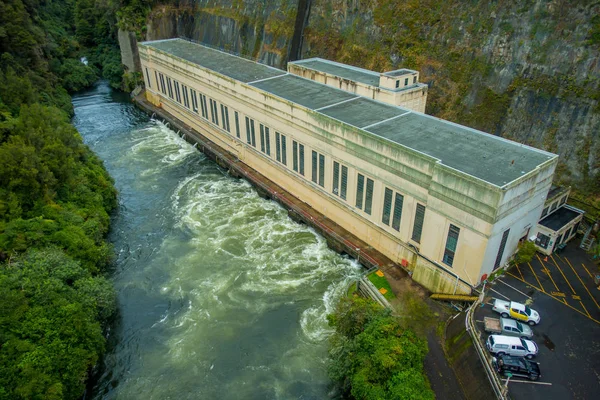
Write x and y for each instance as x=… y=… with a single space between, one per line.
x=500 y=390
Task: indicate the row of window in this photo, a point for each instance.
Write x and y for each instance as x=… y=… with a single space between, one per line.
x=553 y=206
x=392 y=202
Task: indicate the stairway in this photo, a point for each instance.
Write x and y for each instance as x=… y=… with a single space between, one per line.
x=588 y=241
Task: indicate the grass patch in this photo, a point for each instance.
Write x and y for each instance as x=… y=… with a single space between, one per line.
x=380 y=282
x=351 y=290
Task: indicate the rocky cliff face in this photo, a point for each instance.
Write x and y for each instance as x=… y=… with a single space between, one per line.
x=528 y=71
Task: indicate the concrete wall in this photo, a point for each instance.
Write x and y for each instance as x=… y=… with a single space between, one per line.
x=449 y=196
x=129 y=50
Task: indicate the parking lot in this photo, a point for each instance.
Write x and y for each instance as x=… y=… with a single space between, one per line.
x=561 y=288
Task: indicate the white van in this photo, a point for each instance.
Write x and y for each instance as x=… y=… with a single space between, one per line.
x=513 y=346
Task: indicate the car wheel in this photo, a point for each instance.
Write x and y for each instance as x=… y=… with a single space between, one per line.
x=531 y=323
x=534 y=377
x=504 y=315
x=529 y=356
x=500 y=354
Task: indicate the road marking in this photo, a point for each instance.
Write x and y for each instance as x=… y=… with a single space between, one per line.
x=547 y=271
x=576 y=297
x=519 y=269
x=536 y=277
x=563 y=274
x=513 y=288
x=532 y=382
x=586 y=311
x=524 y=281
x=560 y=301
x=584 y=267
x=558 y=294
x=499 y=294
x=585 y=287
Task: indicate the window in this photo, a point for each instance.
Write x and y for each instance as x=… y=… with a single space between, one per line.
x=360 y=188
x=542 y=240
x=568 y=233
x=170 y=87
x=340 y=185
x=156 y=79
x=336 y=178
x=265 y=140
x=203 y=106
x=301 y=159
x=406 y=82
x=177 y=92
x=281 y=149
x=414 y=79
x=237 y=124
x=321 y=170
x=369 y=196
x=451 y=243
x=418 y=226
x=314 y=166
x=163 y=88
x=397 y=84
x=194 y=101
x=545 y=212
x=501 y=248
x=387 y=206
x=225 y=117
x=563 y=200
x=298 y=157
x=148 y=78
x=295 y=155
x=553 y=206
x=397 y=211
x=250 y=137
x=214 y=114
x=344 y=183
x=186 y=101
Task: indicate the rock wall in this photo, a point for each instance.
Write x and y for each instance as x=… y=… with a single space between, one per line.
x=129 y=51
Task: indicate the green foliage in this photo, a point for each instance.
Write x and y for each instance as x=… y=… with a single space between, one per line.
x=373 y=356
x=594 y=38
x=525 y=252
x=76 y=76
x=49 y=331
x=382 y=282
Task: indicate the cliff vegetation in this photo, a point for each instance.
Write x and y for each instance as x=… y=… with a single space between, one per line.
x=55 y=199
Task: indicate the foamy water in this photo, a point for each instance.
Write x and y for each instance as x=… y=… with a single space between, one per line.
x=222 y=295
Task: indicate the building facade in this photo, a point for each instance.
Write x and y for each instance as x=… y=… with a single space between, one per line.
x=447 y=202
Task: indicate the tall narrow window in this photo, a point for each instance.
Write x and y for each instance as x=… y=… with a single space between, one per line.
x=170 y=87
x=301 y=159
x=267 y=141
x=360 y=188
x=369 y=196
x=156 y=79
x=203 y=106
x=177 y=92
x=262 y=138
x=321 y=170
x=186 y=101
x=163 y=87
x=315 y=167
x=344 y=185
x=397 y=211
x=214 y=115
x=277 y=147
x=237 y=124
x=451 y=243
x=225 y=117
x=283 y=150
x=387 y=206
x=295 y=155
x=336 y=178
x=148 y=78
x=194 y=100
x=501 y=248
x=250 y=136
x=418 y=227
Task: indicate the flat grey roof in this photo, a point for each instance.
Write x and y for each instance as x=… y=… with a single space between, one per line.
x=399 y=72
x=484 y=156
x=343 y=71
x=560 y=218
x=226 y=64
x=305 y=92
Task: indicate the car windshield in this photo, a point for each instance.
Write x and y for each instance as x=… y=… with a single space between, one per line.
x=519 y=327
x=528 y=310
x=524 y=344
x=492 y=340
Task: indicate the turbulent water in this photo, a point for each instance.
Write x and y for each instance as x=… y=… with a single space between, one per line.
x=221 y=295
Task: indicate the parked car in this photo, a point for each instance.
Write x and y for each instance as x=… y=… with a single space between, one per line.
x=507 y=327
x=518 y=366
x=513 y=346
x=517 y=311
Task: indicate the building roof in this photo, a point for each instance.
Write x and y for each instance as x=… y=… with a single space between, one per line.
x=487 y=157
x=561 y=217
x=342 y=70
x=399 y=72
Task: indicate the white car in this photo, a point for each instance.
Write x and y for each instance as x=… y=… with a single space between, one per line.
x=512 y=346
x=516 y=311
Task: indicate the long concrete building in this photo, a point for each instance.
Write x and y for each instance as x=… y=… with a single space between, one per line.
x=448 y=203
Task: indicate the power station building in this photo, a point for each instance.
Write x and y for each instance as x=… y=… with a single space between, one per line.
x=447 y=202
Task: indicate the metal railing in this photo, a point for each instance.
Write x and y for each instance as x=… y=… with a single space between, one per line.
x=500 y=390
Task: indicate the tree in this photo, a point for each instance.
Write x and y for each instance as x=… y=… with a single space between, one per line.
x=372 y=356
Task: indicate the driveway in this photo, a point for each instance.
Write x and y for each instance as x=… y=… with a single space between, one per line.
x=561 y=288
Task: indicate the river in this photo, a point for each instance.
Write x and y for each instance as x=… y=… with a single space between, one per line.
x=221 y=295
